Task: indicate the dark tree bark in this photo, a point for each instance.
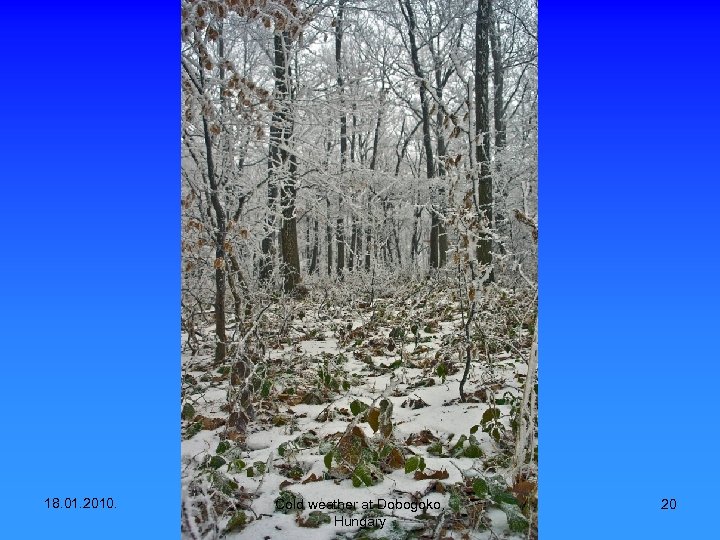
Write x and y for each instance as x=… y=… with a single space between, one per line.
x=359 y=245
x=354 y=133
x=340 y=237
x=329 y=238
x=343 y=135
x=409 y=17
x=415 y=242
x=397 y=245
x=353 y=246
x=308 y=241
x=219 y=264
x=315 y=249
x=498 y=86
x=441 y=80
x=282 y=168
x=376 y=136
x=498 y=112
x=441 y=156
x=368 y=236
x=266 y=245
x=237 y=283
x=482 y=132
x=288 y=231
x=219 y=236
x=234 y=276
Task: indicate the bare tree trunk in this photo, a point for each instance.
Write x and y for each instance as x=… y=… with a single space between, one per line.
x=308 y=241
x=357 y=252
x=525 y=442
x=353 y=246
x=315 y=248
x=219 y=264
x=368 y=237
x=498 y=86
x=329 y=238
x=482 y=132
x=409 y=17
x=354 y=133
x=441 y=156
x=232 y=275
x=280 y=135
x=397 y=245
x=501 y=215
x=415 y=242
x=288 y=231
x=339 y=231
x=340 y=237
x=387 y=246
x=373 y=162
x=434 y=237
x=266 y=245
x=220 y=233
x=438 y=207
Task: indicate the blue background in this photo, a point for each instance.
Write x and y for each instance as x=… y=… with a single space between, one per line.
x=90 y=271
x=629 y=269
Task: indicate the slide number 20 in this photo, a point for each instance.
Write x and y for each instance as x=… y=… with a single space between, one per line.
x=668 y=504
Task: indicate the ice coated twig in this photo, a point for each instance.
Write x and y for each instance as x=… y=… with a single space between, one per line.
x=526 y=426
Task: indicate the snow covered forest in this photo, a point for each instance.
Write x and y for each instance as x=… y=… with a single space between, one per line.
x=359 y=269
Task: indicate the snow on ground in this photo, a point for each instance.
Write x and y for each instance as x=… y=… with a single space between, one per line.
x=374 y=351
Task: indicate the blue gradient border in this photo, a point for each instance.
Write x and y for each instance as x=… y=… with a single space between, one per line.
x=90 y=269
x=629 y=269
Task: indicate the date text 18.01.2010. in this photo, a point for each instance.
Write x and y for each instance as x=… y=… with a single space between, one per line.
x=104 y=503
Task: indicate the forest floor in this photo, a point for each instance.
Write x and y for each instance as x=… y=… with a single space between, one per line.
x=360 y=405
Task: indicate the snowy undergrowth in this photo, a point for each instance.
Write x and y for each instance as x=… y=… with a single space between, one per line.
x=360 y=406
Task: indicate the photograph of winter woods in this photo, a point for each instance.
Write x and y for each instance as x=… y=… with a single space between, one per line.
x=359 y=269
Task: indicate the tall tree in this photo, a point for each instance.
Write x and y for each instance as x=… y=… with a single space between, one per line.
x=343 y=133
x=441 y=80
x=196 y=82
x=219 y=264
x=409 y=16
x=482 y=134
x=498 y=82
x=282 y=162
